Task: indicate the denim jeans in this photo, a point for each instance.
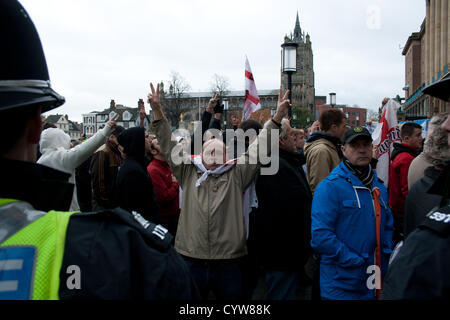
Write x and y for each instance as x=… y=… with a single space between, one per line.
x=281 y=285
x=222 y=277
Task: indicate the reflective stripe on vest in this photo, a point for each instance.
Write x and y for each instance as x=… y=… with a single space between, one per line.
x=31 y=258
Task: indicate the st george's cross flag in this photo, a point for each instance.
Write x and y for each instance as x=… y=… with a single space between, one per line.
x=384 y=136
x=251 y=103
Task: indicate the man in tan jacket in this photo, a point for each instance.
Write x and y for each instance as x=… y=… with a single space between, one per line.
x=211 y=230
x=322 y=149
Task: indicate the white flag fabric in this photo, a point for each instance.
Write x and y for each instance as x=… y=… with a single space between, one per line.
x=251 y=103
x=384 y=136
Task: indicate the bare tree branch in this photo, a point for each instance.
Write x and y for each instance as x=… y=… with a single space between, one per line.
x=173 y=99
x=219 y=85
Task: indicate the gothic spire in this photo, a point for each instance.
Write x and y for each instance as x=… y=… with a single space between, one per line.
x=297 y=29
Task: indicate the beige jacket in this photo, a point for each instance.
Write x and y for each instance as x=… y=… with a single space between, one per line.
x=321 y=159
x=417 y=169
x=211 y=223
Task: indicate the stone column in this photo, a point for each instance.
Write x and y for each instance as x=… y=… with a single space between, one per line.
x=444 y=34
x=427 y=35
x=437 y=35
x=431 y=34
x=448 y=34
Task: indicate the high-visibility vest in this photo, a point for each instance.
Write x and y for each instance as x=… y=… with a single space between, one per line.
x=31 y=258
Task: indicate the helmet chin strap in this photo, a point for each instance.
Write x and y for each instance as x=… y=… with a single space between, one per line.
x=25 y=83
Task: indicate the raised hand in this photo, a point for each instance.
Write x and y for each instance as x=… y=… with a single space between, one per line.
x=212 y=103
x=283 y=107
x=112 y=123
x=155 y=102
x=153 y=98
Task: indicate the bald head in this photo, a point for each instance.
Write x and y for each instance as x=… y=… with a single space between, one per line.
x=213 y=154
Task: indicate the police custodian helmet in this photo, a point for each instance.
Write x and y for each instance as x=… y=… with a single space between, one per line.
x=24 y=79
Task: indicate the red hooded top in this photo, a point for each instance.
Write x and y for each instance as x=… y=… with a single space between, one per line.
x=401 y=158
x=167 y=191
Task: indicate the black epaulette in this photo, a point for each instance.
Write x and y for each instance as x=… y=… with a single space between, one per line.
x=159 y=236
x=438 y=220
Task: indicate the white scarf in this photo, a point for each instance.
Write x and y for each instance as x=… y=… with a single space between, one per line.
x=197 y=161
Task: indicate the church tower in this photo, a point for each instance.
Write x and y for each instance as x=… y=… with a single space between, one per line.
x=303 y=79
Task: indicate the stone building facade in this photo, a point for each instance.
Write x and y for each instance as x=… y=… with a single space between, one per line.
x=127 y=118
x=195 y=103
x=427 y=58
x=356 y=117
x=62 y=122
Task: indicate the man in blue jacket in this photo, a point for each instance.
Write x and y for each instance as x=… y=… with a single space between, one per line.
x=352 y=225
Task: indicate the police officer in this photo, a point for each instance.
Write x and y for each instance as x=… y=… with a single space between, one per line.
x=46 y=252
x=420 y=268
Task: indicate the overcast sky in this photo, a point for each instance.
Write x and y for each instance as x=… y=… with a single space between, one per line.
x=98 y=50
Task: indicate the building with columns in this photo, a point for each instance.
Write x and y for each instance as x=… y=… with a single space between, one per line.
x=427 y=58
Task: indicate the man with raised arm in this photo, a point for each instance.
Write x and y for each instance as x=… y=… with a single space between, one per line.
x=211 y=230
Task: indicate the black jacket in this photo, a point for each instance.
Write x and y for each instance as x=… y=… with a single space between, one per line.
x=206 y=119
x=43 y=187
x=119 y=257
x=420 y=269
x=134 y=188
x=283 y=218
x=416 y=205
x=83 y=182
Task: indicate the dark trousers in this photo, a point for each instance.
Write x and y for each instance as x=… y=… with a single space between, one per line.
x=398 y=229
x=281 y=285
x=172 y=226
x=222 y=277
x=315 y=295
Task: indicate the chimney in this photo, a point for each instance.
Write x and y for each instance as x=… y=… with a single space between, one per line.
x=67 y=117
x=112 y=105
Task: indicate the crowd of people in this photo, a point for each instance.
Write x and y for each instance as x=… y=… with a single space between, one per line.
x=146 y=214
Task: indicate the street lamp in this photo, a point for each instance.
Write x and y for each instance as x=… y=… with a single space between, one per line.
x=289 y=64
x=225 y=108
x=332 y=99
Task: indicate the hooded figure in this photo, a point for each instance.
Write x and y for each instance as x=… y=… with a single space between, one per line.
x=56 y=153
x=134 y=188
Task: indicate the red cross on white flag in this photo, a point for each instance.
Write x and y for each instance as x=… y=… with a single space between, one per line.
x=384 y=136
x=251 y=103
